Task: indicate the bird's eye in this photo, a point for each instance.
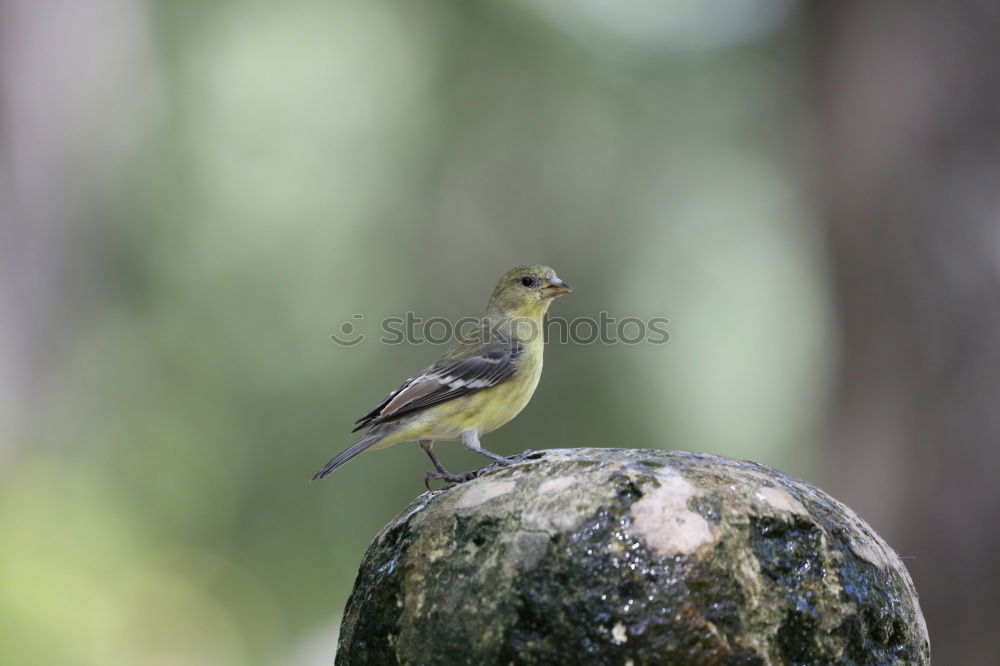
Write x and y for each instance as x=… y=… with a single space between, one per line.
x=528 y=281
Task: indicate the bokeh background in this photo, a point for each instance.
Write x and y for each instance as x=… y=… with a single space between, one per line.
x=195 y=195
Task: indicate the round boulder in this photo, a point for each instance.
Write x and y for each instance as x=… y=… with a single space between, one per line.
x=621 y=556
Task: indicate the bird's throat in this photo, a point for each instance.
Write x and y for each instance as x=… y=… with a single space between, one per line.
x=523 y=324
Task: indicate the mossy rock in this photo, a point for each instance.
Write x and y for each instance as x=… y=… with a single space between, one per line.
x=620 y=556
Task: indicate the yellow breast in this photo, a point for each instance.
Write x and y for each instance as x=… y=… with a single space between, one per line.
x=512 y=396
x=484 y=410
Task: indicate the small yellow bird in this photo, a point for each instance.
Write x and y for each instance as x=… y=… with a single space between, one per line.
x=476 y=387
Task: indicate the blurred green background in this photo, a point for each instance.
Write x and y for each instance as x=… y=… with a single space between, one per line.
x=196 y=195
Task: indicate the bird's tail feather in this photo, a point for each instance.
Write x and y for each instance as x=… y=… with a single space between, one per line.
x=354 y=449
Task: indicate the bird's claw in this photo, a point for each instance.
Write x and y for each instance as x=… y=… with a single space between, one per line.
x=508 y=460
x=451 y=478
x=455 y=479
x=518 y=457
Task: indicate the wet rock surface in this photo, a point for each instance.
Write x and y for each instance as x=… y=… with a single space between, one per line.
x=620 y=556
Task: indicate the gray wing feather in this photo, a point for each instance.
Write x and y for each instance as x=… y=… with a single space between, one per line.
x=447 y=379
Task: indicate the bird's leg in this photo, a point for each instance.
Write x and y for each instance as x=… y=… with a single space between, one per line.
x=441 y=472
x=426 y=445
x=470 y=440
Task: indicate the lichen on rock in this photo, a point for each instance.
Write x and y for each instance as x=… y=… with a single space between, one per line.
x=620 y=556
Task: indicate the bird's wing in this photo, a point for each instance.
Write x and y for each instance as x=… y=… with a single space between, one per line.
x=454 y=375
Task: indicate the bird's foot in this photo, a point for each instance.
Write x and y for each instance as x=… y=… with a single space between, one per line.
x=453 y=479
x=518 y=457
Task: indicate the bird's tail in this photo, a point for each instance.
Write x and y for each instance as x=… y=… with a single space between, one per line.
x=366 y=442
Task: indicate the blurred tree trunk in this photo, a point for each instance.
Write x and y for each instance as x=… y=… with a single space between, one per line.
x=910 y=96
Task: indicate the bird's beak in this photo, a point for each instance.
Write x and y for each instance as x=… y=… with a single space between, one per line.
x=555 y=288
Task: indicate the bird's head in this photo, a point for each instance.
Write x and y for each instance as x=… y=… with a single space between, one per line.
x=527 y=291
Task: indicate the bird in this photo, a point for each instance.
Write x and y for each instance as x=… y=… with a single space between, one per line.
x=476 y=387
